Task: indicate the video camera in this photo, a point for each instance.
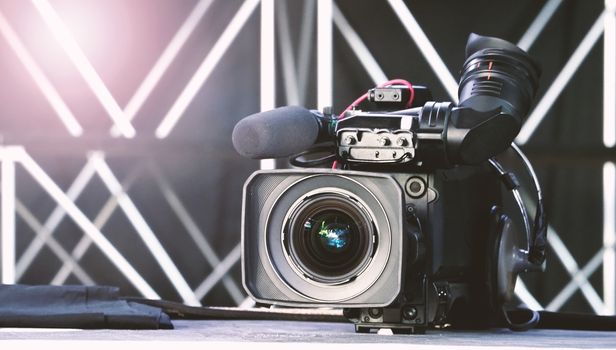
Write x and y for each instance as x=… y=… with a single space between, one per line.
x=408 y=230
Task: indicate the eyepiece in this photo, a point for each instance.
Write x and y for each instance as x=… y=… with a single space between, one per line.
x=496 y=74
x=497 y=86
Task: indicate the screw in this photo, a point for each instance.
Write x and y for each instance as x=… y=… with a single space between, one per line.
x=409 y=312
x=383 y=141
x=366 y=319
x=374 y=312
x=349 y=140
x=410 y=209
x=376 y=154
x=401 y=141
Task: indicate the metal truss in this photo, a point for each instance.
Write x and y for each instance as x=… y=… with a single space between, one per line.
x=41 y=80
x=295 y=70
x=13 y=268
x=68 y=43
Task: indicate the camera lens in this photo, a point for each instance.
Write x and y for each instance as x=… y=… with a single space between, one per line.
x=329 y=238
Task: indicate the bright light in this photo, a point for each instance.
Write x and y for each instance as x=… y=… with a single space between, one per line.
x=525 y=295
x=205 y=69
x=268 y=66
x=543 y=107
x=579 y=279
x=289 y=71
x=54 y=219
x=609 y=237
x=83 y=65
x=359 y=48
x=163 y=62
x=324 y=54
x=268 y=57
x=425 y=46
x=8 y=219
x=83 y=222
x=55 y=246
x=144 y=230
x=219 y=272
x=528 y=39
x=196 y=234
x=50 y=93
x=609 y=75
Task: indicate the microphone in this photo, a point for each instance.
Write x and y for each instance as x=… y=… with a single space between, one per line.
x=278 y=133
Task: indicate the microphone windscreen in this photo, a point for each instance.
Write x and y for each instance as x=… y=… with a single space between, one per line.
x=278 y=133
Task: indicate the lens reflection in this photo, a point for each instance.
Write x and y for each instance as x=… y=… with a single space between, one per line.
x=330 y=238
x=333 y=231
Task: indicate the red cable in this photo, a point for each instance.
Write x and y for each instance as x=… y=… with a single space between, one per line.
x=387 y=83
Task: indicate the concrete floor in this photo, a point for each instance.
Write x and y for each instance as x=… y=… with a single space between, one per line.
x=272 y=335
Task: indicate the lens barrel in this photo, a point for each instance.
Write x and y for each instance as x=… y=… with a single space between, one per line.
x=330 y=238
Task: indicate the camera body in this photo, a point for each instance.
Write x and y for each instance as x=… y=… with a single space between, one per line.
x=424 y=248
x=411 y=232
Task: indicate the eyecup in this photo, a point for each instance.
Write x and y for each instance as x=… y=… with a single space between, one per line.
x=496 y=74
x=478 y=42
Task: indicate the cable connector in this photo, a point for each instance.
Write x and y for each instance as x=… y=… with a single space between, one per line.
x=510 y=181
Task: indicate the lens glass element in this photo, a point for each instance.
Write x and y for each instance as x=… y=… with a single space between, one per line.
x=333 y=230
x=329 y=238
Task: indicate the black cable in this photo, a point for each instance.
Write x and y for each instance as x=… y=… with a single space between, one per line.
x=311 y=163
x=576 y=321
x=540 y=231
x=525 y=319
x=512 y=184
x=178 y=310
x=540 y=227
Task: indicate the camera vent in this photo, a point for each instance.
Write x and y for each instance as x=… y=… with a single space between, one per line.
x=487 y=87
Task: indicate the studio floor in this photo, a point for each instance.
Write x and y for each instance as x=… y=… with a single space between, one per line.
x=272 y=335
